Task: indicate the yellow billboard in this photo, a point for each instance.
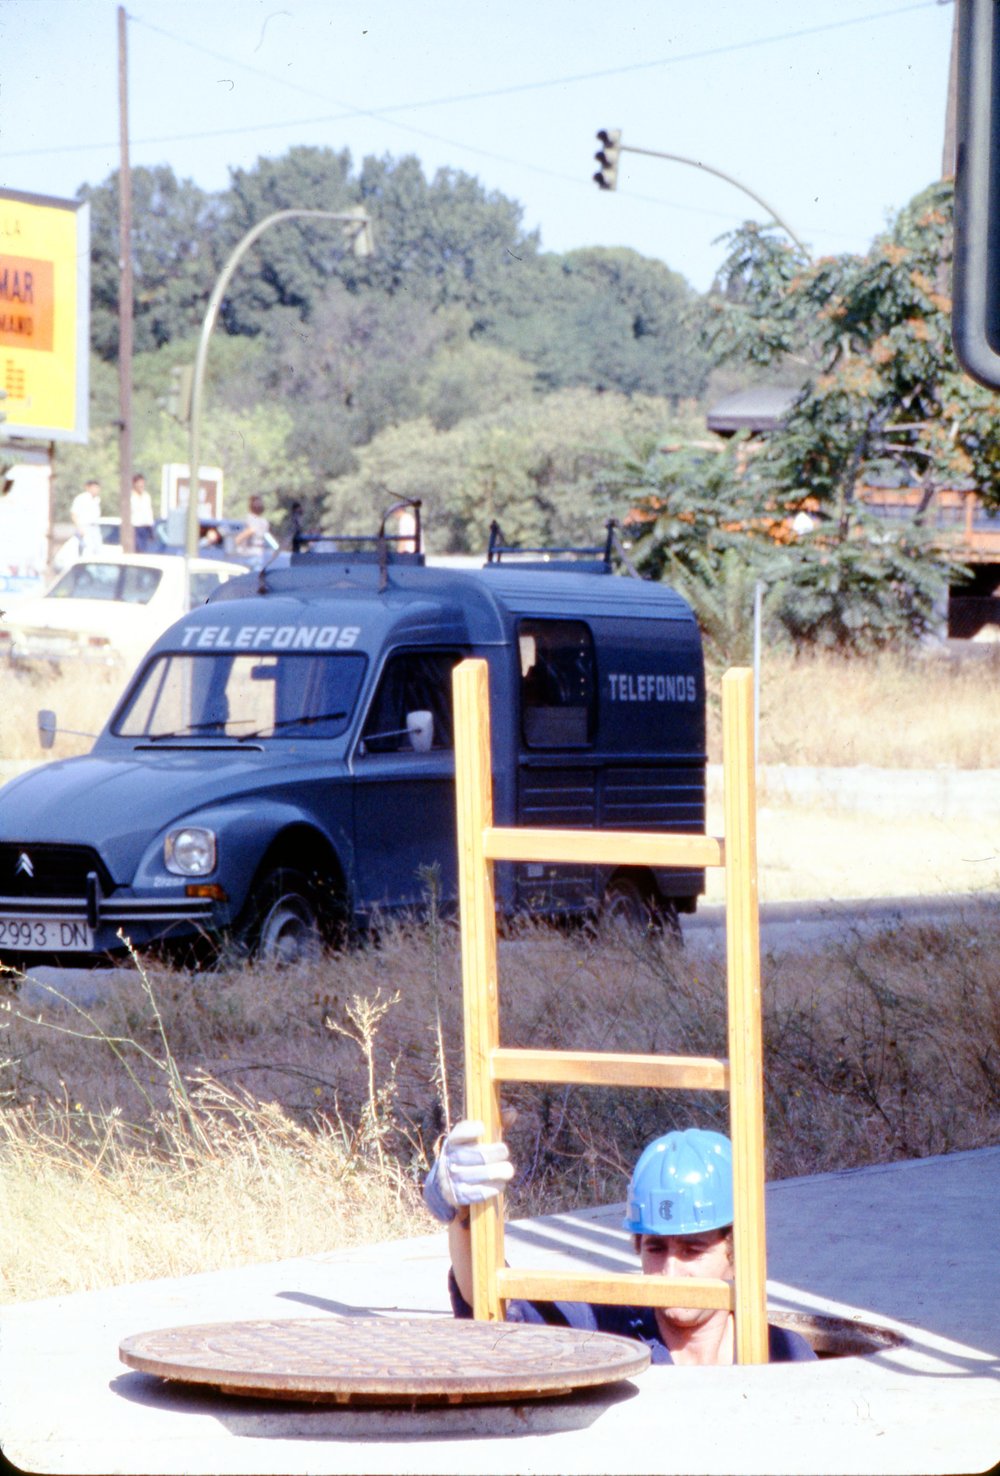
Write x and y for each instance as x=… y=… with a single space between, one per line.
x=44 y=316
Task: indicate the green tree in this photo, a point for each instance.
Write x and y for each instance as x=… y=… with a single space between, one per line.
x=466 y=379
x=544 y=468
x=442 y=240
x=174 y=263
x=254 y=448
x=446 y=239
x=292 y=263
x=606 y=319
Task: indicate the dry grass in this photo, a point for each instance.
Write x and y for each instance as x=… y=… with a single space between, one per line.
x=918 y=711
x=82 y=697
x=915 y=711
x=210 y=1119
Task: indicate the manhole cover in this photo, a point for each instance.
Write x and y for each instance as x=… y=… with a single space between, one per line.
x=381 y=1360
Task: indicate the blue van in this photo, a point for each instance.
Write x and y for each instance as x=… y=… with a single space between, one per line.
x=280 y=769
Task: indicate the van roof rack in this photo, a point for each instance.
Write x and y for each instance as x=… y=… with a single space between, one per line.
x=365 y=548
x=596 y=559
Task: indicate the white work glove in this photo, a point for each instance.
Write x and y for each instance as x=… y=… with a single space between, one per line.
x=466 y=1171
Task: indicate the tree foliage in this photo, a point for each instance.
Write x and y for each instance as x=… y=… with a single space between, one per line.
x=607 y=319
x=883 y=404
x=444 y=244
x=174 y=226
x=543 y=468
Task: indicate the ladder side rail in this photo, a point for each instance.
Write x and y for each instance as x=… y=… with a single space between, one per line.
x=746 y=1107
x=474 y=810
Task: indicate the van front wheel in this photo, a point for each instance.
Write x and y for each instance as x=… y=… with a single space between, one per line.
x=285 y=928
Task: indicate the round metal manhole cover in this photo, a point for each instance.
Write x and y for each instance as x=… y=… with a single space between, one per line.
x=381 y=1360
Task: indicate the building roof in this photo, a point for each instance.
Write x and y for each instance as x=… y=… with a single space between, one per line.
x=760 y=409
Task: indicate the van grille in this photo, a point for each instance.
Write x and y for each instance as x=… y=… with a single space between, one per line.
x=31 y=870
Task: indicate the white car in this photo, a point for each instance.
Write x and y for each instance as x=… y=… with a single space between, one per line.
x=108 y=608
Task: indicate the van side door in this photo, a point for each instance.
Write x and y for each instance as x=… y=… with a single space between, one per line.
x=404 y=784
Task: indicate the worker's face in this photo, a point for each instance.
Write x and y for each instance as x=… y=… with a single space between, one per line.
x=687 y=1255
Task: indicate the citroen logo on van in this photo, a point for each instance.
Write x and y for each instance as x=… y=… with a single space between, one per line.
x=24 y=865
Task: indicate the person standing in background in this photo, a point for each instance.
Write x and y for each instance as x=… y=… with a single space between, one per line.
x=254 y=535
x=85 y=513
x=142 y=515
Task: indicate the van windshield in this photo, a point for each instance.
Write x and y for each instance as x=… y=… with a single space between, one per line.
x=285 y=695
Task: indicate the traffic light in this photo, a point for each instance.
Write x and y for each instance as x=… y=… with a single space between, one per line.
x=975 y=323
x=606 y=177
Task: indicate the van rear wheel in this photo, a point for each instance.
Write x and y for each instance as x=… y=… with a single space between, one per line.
x=285 y=928
x=629 y=905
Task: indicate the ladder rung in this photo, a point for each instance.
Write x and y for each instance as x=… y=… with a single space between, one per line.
x=606 y=1068
x=623 y=1290
x=602 y=847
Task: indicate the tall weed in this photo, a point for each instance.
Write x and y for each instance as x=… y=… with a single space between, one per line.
x=196 y=1120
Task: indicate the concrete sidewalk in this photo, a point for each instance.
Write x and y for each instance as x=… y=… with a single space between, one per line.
x=914 y=1247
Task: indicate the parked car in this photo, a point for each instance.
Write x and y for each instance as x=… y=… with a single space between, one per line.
x=281 y=767
x=109 y=531
x=108 y=608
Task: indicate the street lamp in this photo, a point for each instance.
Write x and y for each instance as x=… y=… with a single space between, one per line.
x=607 y=178
x=358 y=225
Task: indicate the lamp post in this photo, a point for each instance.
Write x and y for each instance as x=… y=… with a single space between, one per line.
x=612 y=138
x=354 y=220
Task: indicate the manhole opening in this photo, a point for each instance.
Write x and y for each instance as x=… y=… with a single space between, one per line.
x=837 y=1337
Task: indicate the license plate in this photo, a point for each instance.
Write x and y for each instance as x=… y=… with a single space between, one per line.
x=46 y=935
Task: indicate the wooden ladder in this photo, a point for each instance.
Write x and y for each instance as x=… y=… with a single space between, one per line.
x=488 y=1064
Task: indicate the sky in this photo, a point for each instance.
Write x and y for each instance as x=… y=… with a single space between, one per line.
x=832 y=112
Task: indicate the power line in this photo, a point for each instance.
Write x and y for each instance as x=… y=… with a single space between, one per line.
x=704 y=54
x=349 y=110
x=381 y=114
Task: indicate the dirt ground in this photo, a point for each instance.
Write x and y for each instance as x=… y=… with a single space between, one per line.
x=817 y=855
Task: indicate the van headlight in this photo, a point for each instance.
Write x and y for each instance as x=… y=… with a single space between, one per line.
x=190 y=851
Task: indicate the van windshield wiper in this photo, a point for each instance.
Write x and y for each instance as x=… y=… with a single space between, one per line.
x=295 y=722
x=219 y=724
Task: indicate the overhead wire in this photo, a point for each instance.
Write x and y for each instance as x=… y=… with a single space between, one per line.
x=350 y=110
x=704 y=54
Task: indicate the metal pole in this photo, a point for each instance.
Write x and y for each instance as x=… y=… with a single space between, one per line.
x=125 y=295
x=362 y=245
x=730 y=179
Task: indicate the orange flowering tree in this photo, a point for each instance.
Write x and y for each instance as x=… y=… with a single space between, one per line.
x=883 y=404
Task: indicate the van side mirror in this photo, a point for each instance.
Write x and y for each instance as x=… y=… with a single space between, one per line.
x=420 y=727
x=46 y=727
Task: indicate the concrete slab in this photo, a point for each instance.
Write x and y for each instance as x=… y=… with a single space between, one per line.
x=914 y=1246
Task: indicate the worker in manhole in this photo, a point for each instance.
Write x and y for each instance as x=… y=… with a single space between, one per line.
x=680 y=1213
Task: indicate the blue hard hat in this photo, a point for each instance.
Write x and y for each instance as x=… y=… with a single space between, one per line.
x=682 y=1185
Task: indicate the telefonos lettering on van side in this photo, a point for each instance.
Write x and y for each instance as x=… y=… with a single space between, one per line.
x=651 y=686
x=271 y=637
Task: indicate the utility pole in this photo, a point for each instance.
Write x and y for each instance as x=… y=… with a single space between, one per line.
x=951 y=105
x=125 y=296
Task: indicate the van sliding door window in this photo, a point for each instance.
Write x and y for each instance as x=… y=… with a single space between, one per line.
x=558 y=683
